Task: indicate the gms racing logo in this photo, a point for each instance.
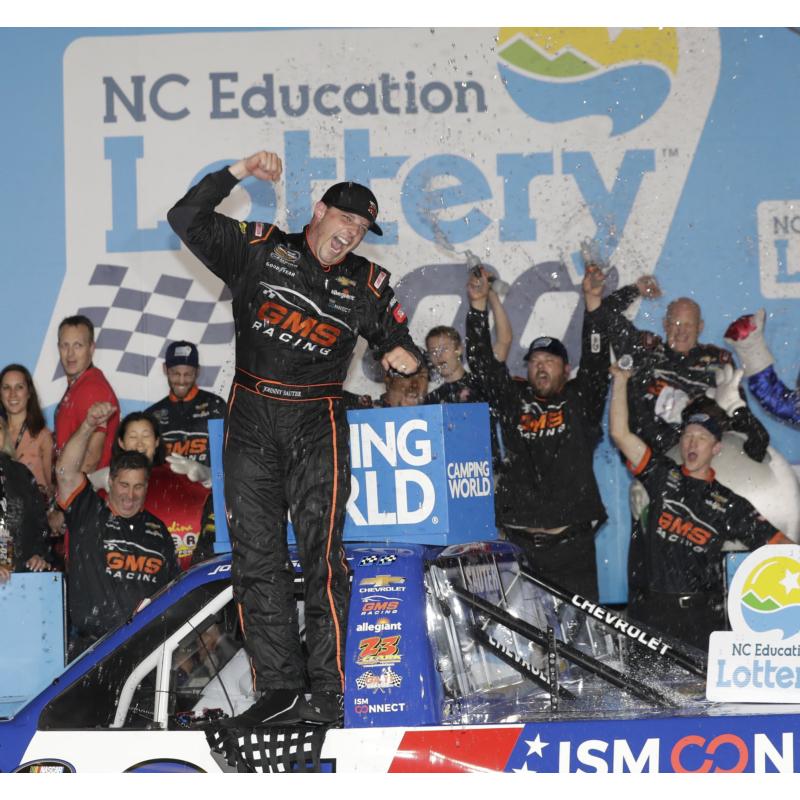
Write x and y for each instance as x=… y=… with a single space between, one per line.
x=561 y=74
x=278 y=317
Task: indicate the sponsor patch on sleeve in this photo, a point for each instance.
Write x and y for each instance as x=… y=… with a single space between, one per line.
x=397 y=311
x=378 y=279
x=243 y=228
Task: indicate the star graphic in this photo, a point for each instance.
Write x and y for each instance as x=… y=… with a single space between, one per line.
x=790 y=581
x=524 y=768
x=536 y=746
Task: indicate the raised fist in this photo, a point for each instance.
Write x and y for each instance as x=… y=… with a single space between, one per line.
x=264 y=166
x=99 y=413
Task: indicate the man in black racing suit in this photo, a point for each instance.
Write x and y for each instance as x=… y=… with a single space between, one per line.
x=547 y=501
x=299 y=303
x=672 y=372
x=675 y=561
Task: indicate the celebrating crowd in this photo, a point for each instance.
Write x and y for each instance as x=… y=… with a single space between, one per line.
x=122 y=505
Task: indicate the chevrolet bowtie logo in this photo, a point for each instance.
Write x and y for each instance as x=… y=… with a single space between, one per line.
x=382 y=580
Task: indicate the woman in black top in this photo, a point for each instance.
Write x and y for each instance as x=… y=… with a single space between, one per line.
x=23 y=521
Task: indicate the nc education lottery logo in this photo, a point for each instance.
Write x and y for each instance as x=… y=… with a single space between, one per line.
x=559 y=74
x=768 y=598
x=588 y=136
x=759 y=660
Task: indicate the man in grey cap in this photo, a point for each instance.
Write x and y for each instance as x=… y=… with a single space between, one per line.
x=547 y=501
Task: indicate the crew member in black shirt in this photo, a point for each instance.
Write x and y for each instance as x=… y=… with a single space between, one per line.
x=548 y=501
x=184 y=413
x=675 y=562
x=673 y=371
x=119 y=553
x=445 y=353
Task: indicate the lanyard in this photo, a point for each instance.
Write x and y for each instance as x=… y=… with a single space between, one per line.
x=21 y=434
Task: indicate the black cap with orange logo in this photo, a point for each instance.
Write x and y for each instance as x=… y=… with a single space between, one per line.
x=356 y=199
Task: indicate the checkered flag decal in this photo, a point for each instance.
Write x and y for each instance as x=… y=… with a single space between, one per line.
x=137 y=320
x=388 y=679
x=373 y=559
x=295 y=748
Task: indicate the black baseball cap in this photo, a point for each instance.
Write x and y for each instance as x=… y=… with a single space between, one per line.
x=356 y=199
x=706 y=421
x=181 y=353
x=547 y=344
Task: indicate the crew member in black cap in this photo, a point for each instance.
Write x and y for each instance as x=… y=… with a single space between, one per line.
x=547 y=501
x=300 y=301
x=675 y=579
x=184 y=413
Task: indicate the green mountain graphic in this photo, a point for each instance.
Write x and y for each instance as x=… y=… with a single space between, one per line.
x=755 y=602
x=568 y=65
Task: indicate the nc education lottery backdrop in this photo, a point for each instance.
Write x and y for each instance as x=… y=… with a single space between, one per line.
x=671 y=151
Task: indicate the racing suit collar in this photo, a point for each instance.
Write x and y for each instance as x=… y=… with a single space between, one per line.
x=676 y=356
x=709 y=477
x=190 y=395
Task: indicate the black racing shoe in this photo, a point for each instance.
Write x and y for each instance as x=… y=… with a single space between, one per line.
x=323 y=708
x=276 y=707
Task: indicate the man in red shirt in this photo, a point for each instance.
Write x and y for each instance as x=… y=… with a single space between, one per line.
x=86 y=385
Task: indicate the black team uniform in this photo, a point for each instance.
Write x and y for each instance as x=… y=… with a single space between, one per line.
x=184 y=423
x=675 y=561
x=657 y=366
x=467 y=389
x=286 y=439
x=549 y=481
x=114 y=563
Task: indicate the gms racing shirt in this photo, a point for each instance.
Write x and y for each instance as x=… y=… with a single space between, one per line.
x=114 y=562
x=677 y=549
x=548 y=480
x=663 y=377
x=297 y=321
x=184 y=506
x=184 y=423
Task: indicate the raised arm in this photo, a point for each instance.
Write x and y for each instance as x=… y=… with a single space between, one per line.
x=503 y=334
x=219 y=241
x=483 y=363
x=592 y=379
x=625 y=336
x=69 y=472
x=629 y=444
x=94 y=451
